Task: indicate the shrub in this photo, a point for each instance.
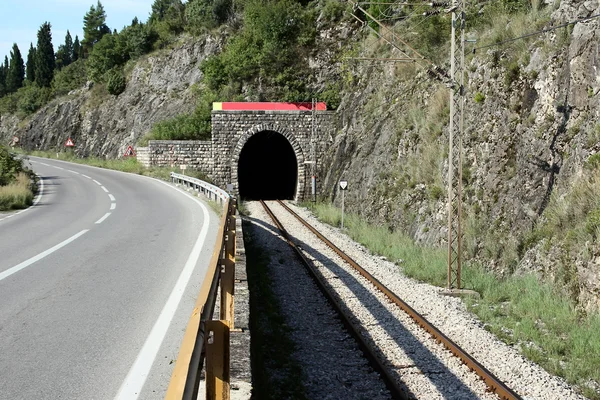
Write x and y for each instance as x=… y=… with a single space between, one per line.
x=32 y=97
x=69 y=78
x=115 y=81
x=479 y=97
x=512 y=73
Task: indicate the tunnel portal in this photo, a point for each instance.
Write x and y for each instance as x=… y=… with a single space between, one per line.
x=267 y=168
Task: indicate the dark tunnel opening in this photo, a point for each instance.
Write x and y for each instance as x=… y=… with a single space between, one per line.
x=267 y=169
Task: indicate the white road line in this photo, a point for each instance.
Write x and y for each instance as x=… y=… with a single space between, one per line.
x=105 y=189
x=75 y=172
x=113 y=206
x=47 y=165
x=111 y=197
x=34 y=259
x=96 y=182
x=85 y=176
x=134 y=382
x=101 y=220
x=57 y=167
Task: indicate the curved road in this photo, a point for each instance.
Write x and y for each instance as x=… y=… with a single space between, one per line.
x=92 y=278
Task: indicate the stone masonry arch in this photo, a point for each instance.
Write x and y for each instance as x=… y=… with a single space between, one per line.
x=243 y=139
x=231 y=130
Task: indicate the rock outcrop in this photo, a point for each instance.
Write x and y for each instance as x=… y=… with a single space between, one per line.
x=529 y=130
x=159 y=86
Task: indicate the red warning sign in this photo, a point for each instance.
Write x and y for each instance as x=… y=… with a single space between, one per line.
x=69 y=143
x=129 y=152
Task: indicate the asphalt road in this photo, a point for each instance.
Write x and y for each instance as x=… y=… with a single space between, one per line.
x=94 y=292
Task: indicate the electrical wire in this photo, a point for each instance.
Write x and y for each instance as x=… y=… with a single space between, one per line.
x=537 y=33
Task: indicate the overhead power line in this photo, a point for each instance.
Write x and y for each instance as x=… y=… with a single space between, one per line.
x=537 y=33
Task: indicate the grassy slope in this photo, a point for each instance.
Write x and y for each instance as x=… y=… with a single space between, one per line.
x=536 y=317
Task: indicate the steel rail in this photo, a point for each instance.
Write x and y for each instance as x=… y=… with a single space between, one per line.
x=492 y=382
x=397 y=391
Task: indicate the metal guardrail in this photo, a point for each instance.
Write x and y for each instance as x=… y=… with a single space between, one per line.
x=204 y=337
x=211 y=191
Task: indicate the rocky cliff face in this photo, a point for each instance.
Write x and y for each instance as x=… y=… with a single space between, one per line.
x=159 y=86
x=529 y=131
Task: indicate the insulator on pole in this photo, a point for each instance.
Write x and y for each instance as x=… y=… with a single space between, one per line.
x=432 y=12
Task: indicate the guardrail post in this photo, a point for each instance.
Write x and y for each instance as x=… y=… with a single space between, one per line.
x=217 y=360
x=228 y=269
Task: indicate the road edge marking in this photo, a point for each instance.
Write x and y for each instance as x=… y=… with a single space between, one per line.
x=136 y=377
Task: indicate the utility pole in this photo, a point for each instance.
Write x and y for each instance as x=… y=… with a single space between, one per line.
x=313 y=153
x=457 y=92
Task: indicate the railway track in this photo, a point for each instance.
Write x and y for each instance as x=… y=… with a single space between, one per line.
x=381 y=361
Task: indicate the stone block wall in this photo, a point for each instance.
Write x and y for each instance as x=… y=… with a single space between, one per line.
x=196 y=154
x=219 y=157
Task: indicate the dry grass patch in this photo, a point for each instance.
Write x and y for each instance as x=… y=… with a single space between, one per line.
x=16 y=195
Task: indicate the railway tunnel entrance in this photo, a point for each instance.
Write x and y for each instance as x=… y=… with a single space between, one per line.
x=267 y=168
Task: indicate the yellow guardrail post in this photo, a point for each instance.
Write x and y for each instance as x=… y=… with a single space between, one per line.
x=228 y=269
x=217 y=360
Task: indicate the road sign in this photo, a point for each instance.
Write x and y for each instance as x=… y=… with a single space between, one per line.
x=183 y=167
x=69 y=143
x=343 y=185
x=129 y=152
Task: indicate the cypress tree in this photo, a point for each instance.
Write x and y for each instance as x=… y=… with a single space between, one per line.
x=94 y=27
x=16 y=70
x=30 y=71
x=68 y=56
x=2 y=80
x=44 y=57
x=76 y=49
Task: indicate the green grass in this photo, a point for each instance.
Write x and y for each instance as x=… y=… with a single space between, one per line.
x=275 y=373
x=16 y=195
x=521 y=310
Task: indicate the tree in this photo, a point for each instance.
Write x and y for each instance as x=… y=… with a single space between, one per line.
x=16 y=70
x=30 y=70
x=107 y=53
x=68 y=56
x=76 y=49
x=167 y=17
x=44 y=57
x=94 y=27
x=3 y=72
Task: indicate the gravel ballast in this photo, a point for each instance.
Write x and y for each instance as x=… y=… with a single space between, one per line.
x=332 y=365
x=447 y=313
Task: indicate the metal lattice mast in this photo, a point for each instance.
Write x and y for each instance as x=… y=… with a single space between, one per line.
x=457 y=62
x=313 y=152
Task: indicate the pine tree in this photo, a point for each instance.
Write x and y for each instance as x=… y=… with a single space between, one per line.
x=30 y=70
x=16 y=70
x=76 y=49
x=44 y=57
x=94 y=27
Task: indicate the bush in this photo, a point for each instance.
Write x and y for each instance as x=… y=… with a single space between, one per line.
x=267 y=50
x=9 y=166
x=479 y=97
x=115 y=81
x=32 y=97
x=106 y=54
x=69 y=78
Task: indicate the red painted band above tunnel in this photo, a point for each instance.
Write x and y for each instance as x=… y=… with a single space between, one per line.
x=265 y=106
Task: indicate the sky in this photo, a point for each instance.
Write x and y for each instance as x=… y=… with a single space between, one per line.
x=21 y=19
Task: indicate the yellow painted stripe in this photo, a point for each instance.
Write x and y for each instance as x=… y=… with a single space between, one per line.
x=217 y=106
